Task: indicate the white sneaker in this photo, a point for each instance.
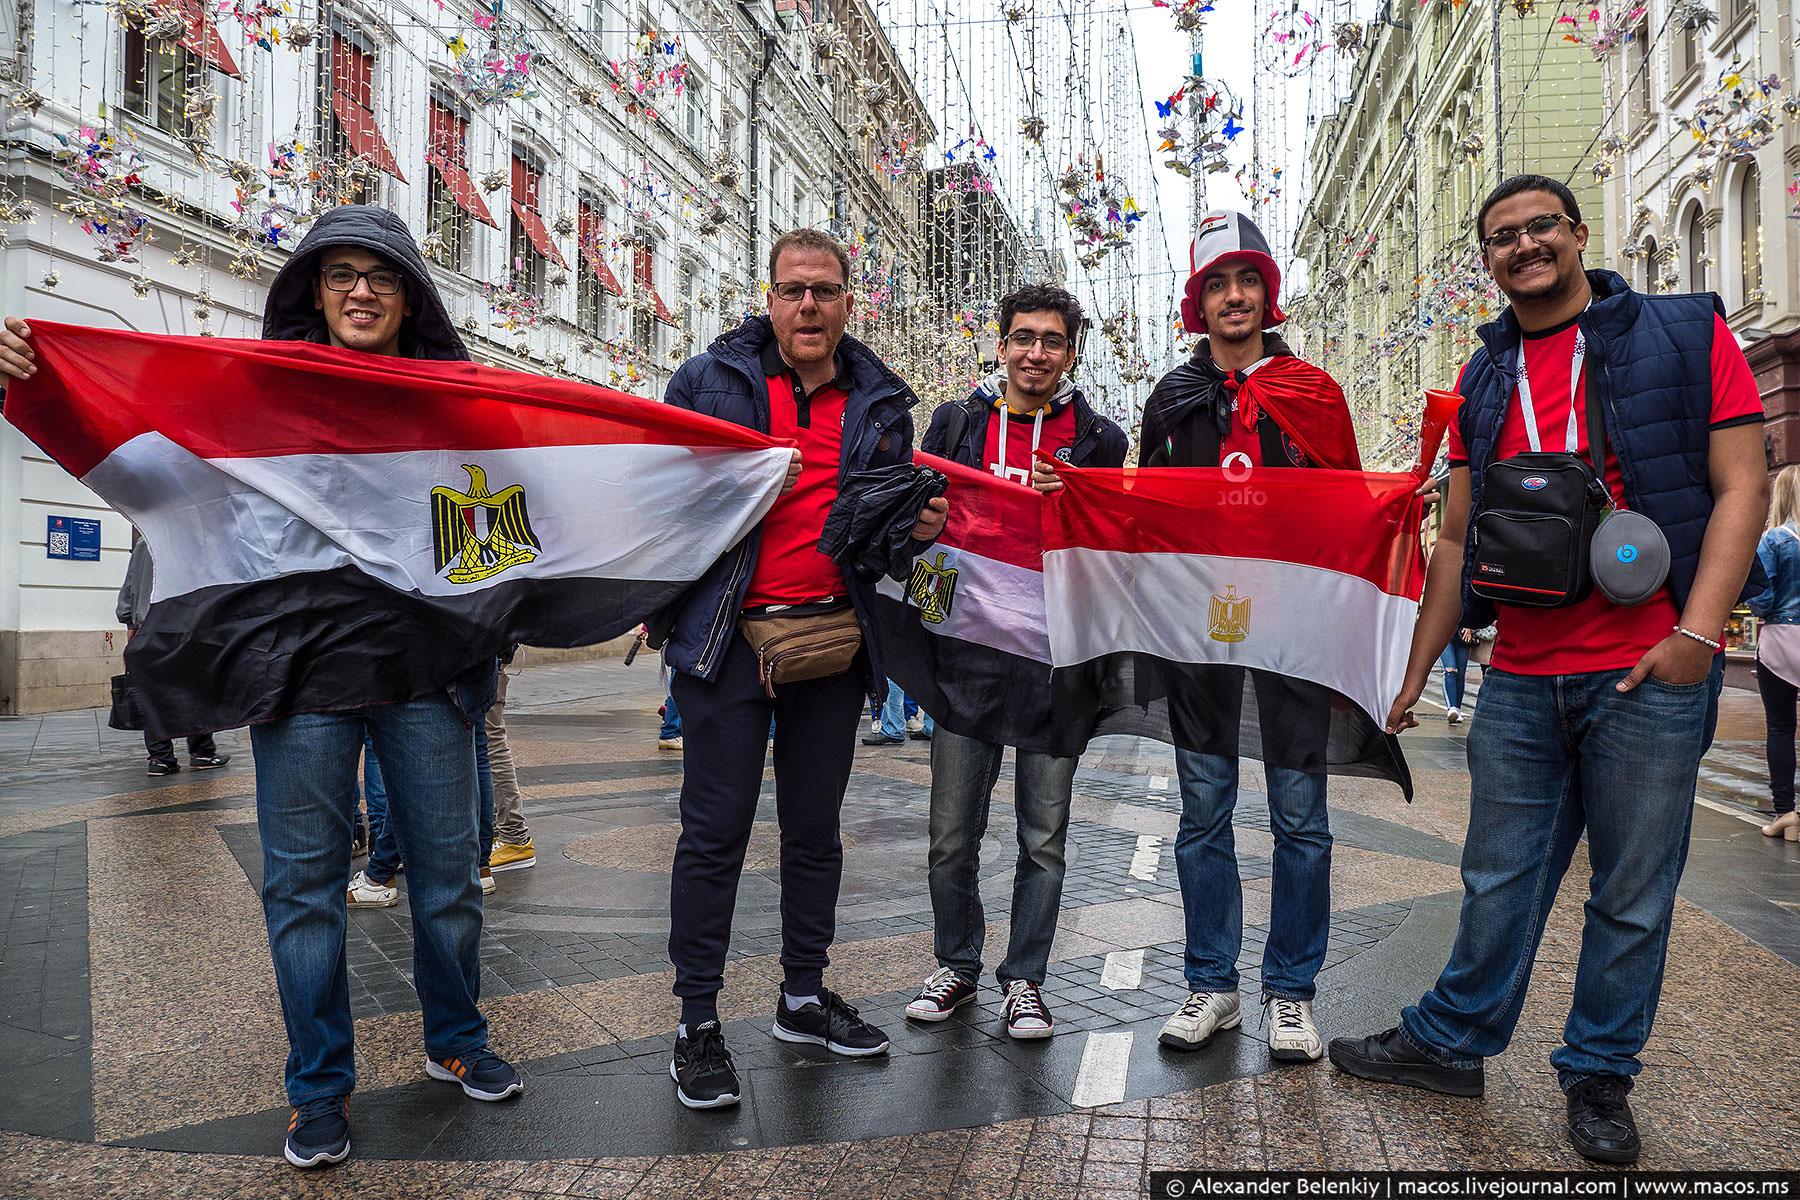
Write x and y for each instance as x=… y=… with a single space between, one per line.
x=487 y=881
x=1202 y=1015
x=364 y=893
x=663 y=743
x=1455 y=715
x=915 y=723
x=1292 y=1035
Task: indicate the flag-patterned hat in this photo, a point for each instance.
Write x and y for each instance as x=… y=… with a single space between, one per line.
x=1223 y=235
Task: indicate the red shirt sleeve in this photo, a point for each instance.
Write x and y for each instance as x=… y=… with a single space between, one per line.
x=1735 y=400
x=1456 y=454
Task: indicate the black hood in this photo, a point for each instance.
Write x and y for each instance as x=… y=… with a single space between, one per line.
x=290 y=314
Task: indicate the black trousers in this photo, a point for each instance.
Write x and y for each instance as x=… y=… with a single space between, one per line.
x=725 y=737
x=201 y=745
x=1779 y=702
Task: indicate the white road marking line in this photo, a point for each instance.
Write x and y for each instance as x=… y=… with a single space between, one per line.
x=1105 y=1062
x=1159 y=783
x=1143 y=859
x=1124 y=970
x=1730 y=810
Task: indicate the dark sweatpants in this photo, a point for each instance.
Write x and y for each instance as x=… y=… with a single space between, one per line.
x=725 y=734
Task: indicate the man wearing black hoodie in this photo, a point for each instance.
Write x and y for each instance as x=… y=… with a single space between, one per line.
x=1030 y=405
x=357 y=282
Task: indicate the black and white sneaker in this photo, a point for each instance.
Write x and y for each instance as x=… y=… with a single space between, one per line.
x=702 y=1070
x=830 y=1022
x=319 y=1132
x=945 y=991
x=1026 y=1016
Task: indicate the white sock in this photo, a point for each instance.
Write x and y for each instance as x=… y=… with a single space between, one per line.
x=796 y=1003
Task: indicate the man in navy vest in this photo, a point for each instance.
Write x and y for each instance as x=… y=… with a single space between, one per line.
x=1594 y=716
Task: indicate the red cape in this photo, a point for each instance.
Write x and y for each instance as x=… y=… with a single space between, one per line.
x=1309 y=406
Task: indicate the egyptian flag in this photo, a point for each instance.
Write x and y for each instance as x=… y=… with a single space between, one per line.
x=333 y=529
x=1258 y=613
x=966 y=636
x=1306 y=403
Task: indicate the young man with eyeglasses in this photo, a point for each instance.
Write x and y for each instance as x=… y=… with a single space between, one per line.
x=1244 y=402
x=795 y=375
x=357 y=282
x=1593 y=717
x=1029 y=405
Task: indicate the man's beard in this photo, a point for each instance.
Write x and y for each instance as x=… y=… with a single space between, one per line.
x=1553 y=287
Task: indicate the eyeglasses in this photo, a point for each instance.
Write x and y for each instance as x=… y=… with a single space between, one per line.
x=1502 y=243
x=343 y=279
x=1024 y=340
x=824 y=293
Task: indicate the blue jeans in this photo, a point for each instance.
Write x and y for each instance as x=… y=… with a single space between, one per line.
x=484 y=793
x=384 y=842
x=305 y=805
x=963 y=773
x=671 y=726
x=898 y=707
x=1549 y=756
x=1213 y=896
x=1454 y=660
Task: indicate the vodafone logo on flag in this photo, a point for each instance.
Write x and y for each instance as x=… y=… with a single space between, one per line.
x=1237 y=466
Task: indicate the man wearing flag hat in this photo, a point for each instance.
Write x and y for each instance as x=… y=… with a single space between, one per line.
x=1244 y=403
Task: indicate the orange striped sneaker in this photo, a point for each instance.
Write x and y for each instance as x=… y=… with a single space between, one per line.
x=483 y=1074
x=319 y=1132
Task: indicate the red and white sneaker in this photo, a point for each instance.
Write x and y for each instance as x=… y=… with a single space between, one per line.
x=1026 y=1016
x=945 y=991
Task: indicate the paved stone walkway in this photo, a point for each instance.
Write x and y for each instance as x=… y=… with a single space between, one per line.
x=143 y=1046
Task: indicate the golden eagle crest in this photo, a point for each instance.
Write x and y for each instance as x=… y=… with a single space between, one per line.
x=932 y=588
x=479 y=535
x=1230 y=616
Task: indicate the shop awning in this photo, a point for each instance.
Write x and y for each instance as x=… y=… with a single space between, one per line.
x=461 y=188
x=589 y=229
x=662 y=310
x=538 y=232
x=203 y=37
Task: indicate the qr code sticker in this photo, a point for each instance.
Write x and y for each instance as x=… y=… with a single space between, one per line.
x=59 y=544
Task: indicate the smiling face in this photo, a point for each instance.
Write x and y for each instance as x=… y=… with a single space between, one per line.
x=1032 y=375
x=361 y=318
x=1535 y=273
x=1234 y=299
x=807 y=330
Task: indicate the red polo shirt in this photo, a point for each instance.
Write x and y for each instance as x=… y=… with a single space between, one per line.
x=789 y=567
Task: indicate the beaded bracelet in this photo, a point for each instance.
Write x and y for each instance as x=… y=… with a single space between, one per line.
x=1704 y=641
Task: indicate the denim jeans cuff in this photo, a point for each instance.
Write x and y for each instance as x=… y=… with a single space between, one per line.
x=1443 y=1059
x=321 y=1093
x=1269 y=993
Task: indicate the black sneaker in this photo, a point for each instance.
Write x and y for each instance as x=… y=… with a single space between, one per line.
x=483 y=1074
x=207 y=762
x=1600 y=1122
x=1026 y=1016
x=944 y=992
x=830 y=1022
x=1390 y=1058
x=882 y=739
x=702 y=1069
x=162 y=766
x=319 y=1132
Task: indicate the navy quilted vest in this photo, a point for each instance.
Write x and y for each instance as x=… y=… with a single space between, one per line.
x=1650 y=364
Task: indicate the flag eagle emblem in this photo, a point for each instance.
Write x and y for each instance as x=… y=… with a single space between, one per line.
x=931 y=588
x=1230 y=616
x=478 y=535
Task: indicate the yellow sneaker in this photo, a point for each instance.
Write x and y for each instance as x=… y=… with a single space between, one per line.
x=510 y=856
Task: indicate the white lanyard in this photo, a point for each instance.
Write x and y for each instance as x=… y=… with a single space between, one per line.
x=1524 y=381
x=1037 y=431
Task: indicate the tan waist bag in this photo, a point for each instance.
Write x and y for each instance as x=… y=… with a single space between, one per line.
x=804 y=641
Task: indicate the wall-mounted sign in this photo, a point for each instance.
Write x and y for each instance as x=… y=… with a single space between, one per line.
x=73 y=538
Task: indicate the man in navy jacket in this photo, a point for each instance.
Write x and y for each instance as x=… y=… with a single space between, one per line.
x=794 y=375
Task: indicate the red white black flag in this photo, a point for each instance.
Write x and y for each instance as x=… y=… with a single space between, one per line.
x=333 y=529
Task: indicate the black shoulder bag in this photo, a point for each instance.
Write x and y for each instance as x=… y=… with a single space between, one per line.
x=1539 y=510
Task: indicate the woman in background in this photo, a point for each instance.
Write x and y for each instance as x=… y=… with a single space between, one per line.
x=1778 y=645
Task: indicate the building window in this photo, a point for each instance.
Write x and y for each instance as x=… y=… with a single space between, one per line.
x=694 y=91
x=1642 y=62
x=1684 y=53
x=530 y=243
x=157 y=82
x=352 y=129
x=1750 y=232
x=1694 y=237
x=452 y=201
x=643 y=278
x=595 y=281
x=1735 y=9
x=615 y=33
x=1652 y=268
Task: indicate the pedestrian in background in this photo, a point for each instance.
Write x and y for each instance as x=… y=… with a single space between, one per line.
x=1455 y=661
x=1778 y=646
x=134 y=602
